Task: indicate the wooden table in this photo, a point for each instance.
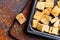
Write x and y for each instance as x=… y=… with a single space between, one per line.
x=17 y=31
x=20 y=30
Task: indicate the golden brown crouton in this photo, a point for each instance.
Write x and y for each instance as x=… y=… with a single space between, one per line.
x=43 y=27
x=45 y=19
x=49 y=4
x=38 y=15
x=49 y=0
x=56 y=24
x=58 y=3
x=20 y=17
x=35 y=23
x=40 y=5
x=46 y=12
x=54 y=19
x=40 y=27
x=55 y=12
x=55 y=30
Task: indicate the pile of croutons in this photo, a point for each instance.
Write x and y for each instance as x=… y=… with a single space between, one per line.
x=46 y=17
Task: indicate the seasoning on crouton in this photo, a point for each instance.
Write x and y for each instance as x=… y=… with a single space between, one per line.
x=20 y=17
x=38 y=15
x=40 y=5
x=58 y=3
x=43 y=27
x=59 y=27
x=49 y=0
x=56 y=24
x=54 y=19
x=45 y=19
x=40 y=27
x=55 y=30
x=49 y=4
x=55 y=12
x=46 y=12
x=35 y=23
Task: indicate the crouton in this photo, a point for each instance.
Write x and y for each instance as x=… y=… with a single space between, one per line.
x=35 y=23
x=56 y=24
x=38 y=15
x=58 y=3
x=21 y=19
x=55 y=30
x=40 y=5
x=45 y=19
x=55 y=12
x=54 y=19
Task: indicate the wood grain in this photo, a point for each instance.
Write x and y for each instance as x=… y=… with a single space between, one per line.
x=19 y=31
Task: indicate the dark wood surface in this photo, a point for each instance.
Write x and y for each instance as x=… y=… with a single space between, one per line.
x=8 y=11
x=19 y=31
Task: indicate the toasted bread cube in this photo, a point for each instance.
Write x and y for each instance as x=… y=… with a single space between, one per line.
x=40 y=5
x=46 y=12
x=45 y=28
x=20 y=17
x=55 y=30
x=45 y=19
x=49 y=4
x=50 y=30
x=55 y=12
x=58 y=3
x=56 y=24
x=49 y=0
x=59 y=27
x=40 y=27
x=35 y=23
x=49 y=8
x=38 y=15
x=54 y=19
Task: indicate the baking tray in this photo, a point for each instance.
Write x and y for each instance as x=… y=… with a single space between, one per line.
x=33 y=31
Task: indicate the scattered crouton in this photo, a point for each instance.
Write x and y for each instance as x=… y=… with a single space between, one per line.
x=40 y=5
x=56 y=24
x=45 y=19
x=54 y=19
x=20 y=17
x=55 y=12
x=38 y=15
x=35 y=23
x=58 y=3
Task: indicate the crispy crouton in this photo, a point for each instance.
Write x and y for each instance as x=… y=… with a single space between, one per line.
x=58 y=3
x=54 y=19
x=43 y=27
x=56 y=24
x=55 y=12
x=49 y=4
x=45 y=19
x=35 y=23
x=55 y=30
x=46 y=12
x=38 y=15
x=40 y=27
x=20 y=17
x=40 y=5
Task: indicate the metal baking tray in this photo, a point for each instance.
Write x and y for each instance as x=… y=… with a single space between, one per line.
x=35 y=32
